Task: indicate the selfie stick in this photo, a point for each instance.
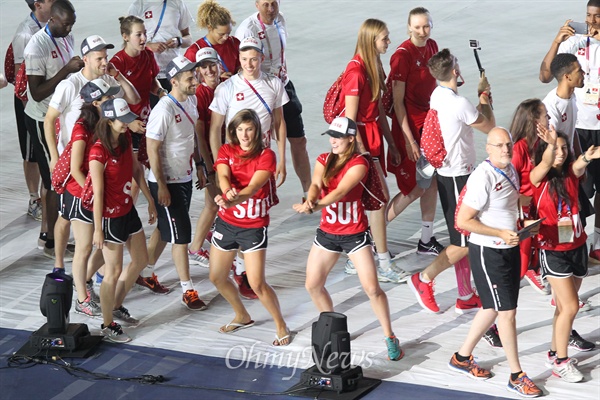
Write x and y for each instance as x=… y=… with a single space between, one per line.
x=474 y=44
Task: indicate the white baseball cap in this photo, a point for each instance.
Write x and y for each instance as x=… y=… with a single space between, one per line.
x=207 y=54
x=118 y=109
x=251 y=42
x=94 y=43
x=341 y=127
x=94 y=90
x=179 y=64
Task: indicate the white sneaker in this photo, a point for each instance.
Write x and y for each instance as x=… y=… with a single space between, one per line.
x=404 y=276
x=123 y=314
x=349 y=268
x=386 y=272
x=199 y=257
x=567 y=371
x=35 y=209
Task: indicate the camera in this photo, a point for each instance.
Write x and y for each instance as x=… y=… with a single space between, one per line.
x=474 y=44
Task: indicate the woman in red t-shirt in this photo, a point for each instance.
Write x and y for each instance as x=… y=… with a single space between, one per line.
x=561 y=240
x=336 y=189
x=245 y=170
x=116 y=221
x=530 y=115
x=219 y=24
x=362 y=84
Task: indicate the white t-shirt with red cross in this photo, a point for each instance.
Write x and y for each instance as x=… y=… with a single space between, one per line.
x=235 y=95
x=169 y=124
x=562 y=113
x=254 y=212
x=347 y=216
x=25 y=31
x=455 y=114
x=496 y=198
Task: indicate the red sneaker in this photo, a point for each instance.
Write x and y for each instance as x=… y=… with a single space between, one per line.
x=467 y=306
x=535 y=280
x=151 y=283
x=191 y=300
x=594 y=256
x=244 y=286
x=424 y=293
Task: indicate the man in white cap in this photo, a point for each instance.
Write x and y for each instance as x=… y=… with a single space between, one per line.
x=37 y=18
x=170 y=138
x=65 y=105
x=49 y=58
x=269 y=26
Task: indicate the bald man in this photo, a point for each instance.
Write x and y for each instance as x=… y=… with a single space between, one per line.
x=489 y=211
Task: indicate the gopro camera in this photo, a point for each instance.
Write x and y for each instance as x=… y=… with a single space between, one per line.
x=474 y=44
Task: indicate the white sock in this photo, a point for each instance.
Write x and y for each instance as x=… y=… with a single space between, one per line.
x=422 y=278
x=426 y=231
x=240 y=266
x=596 y=238
x=147 y=272
x=384 y=256
x=185 y=286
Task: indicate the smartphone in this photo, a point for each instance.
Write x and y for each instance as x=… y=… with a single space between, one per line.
x=580 y=28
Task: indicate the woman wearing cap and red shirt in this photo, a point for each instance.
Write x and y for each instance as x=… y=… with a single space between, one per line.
x=116 y=221
x=363 y=82
x=336 y=189
x=217 y=20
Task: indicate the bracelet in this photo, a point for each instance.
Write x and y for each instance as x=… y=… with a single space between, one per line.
x=585 y=159
x=227 y=191
x=179 y=41
x=414 y=142
x=484 y=93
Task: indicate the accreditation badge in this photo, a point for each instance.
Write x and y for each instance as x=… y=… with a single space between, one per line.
x=565 y=230
x=591 y=93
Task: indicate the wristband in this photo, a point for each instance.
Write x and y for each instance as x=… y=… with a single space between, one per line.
x=179 y=41
x=199 y=163
x=585 y=159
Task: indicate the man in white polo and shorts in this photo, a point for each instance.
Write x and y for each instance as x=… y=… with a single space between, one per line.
x=170 y=139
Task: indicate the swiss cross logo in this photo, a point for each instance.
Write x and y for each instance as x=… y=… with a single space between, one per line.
x=239 y=96
x=261 y=35
x=581 y=52
x=178 y=118
x=563 y=117
x=148 y=15
x=54 y=54
x=498 y=186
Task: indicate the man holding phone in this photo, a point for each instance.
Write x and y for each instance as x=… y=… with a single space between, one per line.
x=586 y=47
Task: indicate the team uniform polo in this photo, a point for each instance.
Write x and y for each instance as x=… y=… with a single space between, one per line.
x=175 y=19
x=562 y=113
x=274 y=41
x=26 y=29
x=355 y=83
x=254 y=212
x=347 y=216
x=141 y=72
x=455 y=114
x=495 y=265
x=67 y=101
x=235 y=94
x=523 y=164
x=170 y=125
x=43 y=58
x=409 y=65
x=204 y=96
x=560 y=260
x=229 y=53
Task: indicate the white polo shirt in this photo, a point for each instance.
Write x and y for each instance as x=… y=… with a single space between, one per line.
x=25 y=31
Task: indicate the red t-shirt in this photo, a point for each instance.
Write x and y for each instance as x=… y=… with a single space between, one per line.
x=547 y=206
x=409 y=64
x=118 y=174
x=254 y=212
x=356 y=83
x=140 y=71
x=347 y=216
x=522 y=162
x=228 y=51
x=205 y=95
x=80 y=133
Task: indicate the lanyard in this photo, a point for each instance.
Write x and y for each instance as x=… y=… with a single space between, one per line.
x=182 y=109
x=587 y=60
x=56 y=44
x=162 y=14
x=264 y=28
x=33 y=17
x=258 y=95
x=498 y=170
x=218 y=56
x=560 y=208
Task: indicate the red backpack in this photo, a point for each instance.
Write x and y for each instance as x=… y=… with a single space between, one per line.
x=458 y=204
x=373 y=197
x=432 y=141
x=9 y=65
x=387 y=98
x=335 y=104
